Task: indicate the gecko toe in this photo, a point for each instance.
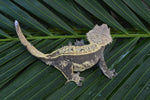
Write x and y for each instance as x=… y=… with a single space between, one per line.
x=79 y=84
x=115 y=74
x=81 y=78
x=113 y=70
x=70 y=44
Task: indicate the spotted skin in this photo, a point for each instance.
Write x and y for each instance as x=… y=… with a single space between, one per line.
x=73 y=59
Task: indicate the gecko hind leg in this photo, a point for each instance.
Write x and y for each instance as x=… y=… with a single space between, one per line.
x=67 y=71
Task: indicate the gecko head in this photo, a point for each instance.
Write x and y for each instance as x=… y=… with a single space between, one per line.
x=100 y=35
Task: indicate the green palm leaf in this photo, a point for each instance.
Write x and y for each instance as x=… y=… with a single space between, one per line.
x=50 y=24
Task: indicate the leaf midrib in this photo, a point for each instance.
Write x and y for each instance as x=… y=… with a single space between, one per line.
x=78 y=36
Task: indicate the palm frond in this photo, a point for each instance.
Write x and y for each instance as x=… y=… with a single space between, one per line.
x=50 y=24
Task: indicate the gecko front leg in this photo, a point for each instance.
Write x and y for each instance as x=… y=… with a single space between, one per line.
x=67 y=70
x=109 y=73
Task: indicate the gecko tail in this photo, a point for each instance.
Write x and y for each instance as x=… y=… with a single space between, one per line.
x=26 y=43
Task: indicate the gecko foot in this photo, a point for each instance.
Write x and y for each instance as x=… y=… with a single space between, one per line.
x=70 y=44
x=79 y=43
x=110 y=73
x=76 y=78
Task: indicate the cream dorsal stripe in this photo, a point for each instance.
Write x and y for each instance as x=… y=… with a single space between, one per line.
x=75 y=50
